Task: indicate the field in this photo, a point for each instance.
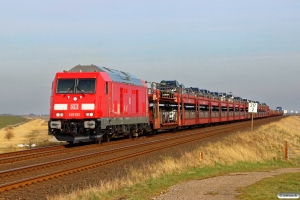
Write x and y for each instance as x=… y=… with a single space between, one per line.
x=11 y=120
x=34 y=131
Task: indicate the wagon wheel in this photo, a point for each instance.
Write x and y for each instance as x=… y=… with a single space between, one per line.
x=98 y=141
x=174 y=129
x=107 y=138
x=129 y=136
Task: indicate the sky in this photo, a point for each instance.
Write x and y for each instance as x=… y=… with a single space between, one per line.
x=249 y=48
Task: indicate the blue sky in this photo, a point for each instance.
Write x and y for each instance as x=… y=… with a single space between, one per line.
x=251 y=49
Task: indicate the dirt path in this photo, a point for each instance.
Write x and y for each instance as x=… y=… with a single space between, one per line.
x=221 y=187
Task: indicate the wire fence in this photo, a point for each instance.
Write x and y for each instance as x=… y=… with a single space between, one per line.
x=291 y=153
x=294 y=154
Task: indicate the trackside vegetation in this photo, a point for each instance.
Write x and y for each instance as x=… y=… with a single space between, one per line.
x=11 y=120
x=18 y=136
x=269 y=187
x=244 y=151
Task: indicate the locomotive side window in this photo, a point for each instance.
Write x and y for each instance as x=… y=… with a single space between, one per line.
x=65 y=86
x=106 y=87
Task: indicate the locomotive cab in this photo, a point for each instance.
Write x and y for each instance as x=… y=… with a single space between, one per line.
x=73 y=106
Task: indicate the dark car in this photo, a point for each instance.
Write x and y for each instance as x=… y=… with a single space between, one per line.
x=229 y=97
x=169 y=87
x=196 y=90
x=205 y=92
x=169 y=83
x=245 y=100
x=237 y=98
x=222 y=96
x=215 y=95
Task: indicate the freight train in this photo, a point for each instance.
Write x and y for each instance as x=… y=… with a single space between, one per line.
x=94 y=103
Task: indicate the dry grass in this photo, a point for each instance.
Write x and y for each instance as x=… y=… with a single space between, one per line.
x=265 y=143
x=8 y=132
x=34 y=131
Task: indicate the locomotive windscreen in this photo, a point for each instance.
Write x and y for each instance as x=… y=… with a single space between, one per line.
x=84 y=85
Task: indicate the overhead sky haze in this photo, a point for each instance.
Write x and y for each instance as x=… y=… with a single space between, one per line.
x=249 y=48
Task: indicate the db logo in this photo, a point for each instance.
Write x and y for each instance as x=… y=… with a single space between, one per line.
x=74 y=107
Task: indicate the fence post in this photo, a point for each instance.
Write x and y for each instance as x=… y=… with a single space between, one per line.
x=286 y=151
x=200 y=156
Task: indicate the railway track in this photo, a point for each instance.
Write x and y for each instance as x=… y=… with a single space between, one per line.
x=24 y=176
x=13 y=157
x=17 y=156
x=31 y=151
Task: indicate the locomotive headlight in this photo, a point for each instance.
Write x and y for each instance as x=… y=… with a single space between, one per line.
x=59 y=114
x=89 y=114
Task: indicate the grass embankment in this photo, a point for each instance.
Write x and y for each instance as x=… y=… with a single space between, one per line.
x=34 y=131
x=11 y=120
x=239 y=152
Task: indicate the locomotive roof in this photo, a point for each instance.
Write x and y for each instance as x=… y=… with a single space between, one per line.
x=115 y=75
x=86 y=68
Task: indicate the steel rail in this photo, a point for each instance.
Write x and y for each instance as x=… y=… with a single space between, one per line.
x=54 y=152
x=30 y=151
x=46 y=176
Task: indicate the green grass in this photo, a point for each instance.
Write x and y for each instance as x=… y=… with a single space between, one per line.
x=11 y=120
x=268 y=188
x=156 y=186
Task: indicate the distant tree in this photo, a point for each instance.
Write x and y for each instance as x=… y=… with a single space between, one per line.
x=9 y=132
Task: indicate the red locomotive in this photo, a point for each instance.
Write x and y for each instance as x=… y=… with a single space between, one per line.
x=93 y=103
